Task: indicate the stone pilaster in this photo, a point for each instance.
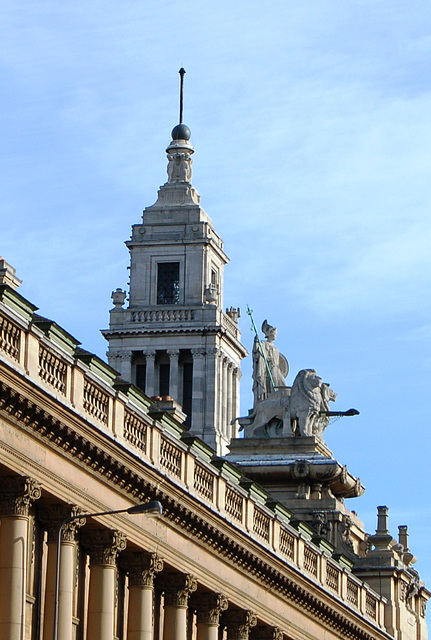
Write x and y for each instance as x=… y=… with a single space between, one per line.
x=177 y=589
x=17 y=494
x=52 y=518
x=173 y=373
x=142 y=568
x=150 y=358
x=209 y=607
x=103 y=547
x=198 y=389
x=239 y=623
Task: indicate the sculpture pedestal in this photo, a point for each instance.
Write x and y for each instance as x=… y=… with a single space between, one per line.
x=302 y=474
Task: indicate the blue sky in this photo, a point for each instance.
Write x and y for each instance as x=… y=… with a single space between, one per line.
x=310 y=123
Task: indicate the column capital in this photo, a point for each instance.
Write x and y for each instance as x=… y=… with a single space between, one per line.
x=17 y=495
x=198 y=352
x=209 y=607
x=149 y=353
x=52 y=516
x=239 y=622
x=177 y=588
x=266 y=633
x=173 y=353
x=142 y=568
x=104 y=545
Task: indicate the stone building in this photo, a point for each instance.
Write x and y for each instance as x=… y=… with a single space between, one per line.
x=255 y=544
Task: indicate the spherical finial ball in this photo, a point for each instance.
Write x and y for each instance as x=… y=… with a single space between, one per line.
x=181 y=132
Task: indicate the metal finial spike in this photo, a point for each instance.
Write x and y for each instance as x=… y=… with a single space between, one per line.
x=182 y=73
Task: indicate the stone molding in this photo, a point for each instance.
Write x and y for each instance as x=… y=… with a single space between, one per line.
x=104 y=545
x=177 y=588
x=239 y=622
x=54 y=515
x=209 y=607
x=17 y=495
x=142 y=568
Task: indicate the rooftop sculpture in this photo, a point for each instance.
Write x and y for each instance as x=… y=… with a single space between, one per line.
x=279 y=410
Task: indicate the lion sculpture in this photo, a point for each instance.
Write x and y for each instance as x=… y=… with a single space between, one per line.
x=304 y=405
x=299 y=411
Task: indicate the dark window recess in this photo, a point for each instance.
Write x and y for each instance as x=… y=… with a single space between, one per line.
x=164 y=379
x=187 y=392
x=141 y=373
x=168 y=283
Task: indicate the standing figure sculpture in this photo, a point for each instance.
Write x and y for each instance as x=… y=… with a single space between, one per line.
x=270 y=367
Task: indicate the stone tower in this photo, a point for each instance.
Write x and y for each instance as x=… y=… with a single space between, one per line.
x=174 y=339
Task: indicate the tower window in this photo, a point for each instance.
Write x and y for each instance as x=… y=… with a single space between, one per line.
x=168 y=283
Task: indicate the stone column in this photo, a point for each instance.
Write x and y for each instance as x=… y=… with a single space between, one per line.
x=198 y=391
x=177 y=588
x=224 y=397
x=173 y=373
x=52 y=518
x=209 y=607
x=235 y=401
x=16 y=497
x=229 y=398
x=220 y=399
x=150 y=357
x=103 y=547
x=211 y=400
x=126 y=365
x=239 y=623
x=142 y=568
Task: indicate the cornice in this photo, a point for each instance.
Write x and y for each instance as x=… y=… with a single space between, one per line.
x=101 y=456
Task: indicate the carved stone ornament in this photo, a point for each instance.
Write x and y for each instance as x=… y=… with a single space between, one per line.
x=210 y=606
x=179 y=167
x=239 y=623
x=142 y=568
x=320 y=523
x=104 y=545
x=17 y=494
x=177 y=588
x=52 y=517
x=301 y=469
x=266 y=633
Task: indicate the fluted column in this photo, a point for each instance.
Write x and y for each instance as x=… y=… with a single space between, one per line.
x=239 y=622
x=17 y=494
x=150 y=357
x=177 y=588
x=52 y=518
x=142 y=568
x=209 y=608
x=173 y=373
x=103 y=547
